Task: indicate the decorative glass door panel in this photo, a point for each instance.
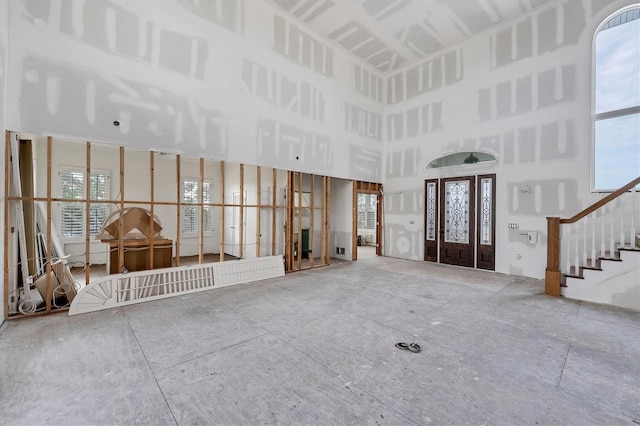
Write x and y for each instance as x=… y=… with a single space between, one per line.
x=431 y=221
x=486 y=222
x=457 y=224
x=456 y=213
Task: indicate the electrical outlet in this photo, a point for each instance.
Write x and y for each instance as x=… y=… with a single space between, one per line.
x=514 y=226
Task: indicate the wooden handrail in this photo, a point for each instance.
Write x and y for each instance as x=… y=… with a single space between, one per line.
x=553 y=276
x=605 y=200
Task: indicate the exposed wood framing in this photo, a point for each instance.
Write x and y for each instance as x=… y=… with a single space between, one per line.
x=120 y=221
x=274 y=211
x=379 y=217
x=292 y=208
x=87 y=217
x=151 y=207
x=201 y=213
x=354 y=221
x=241 y=240
x=178 y=209
x=222 y=215
x=328 y=216
x=313 y=213
x=259 y=201
x=300 y=213
x=7 y=167
x=288 y=243
x=49 y=290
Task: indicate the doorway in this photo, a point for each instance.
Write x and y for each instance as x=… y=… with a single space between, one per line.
x=460 y=221
x=367 y=219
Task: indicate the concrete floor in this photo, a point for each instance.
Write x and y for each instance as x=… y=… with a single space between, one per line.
x=317 y=347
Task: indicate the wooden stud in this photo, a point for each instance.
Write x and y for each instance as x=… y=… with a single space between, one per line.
x=121 y=222
x=354 y=222
x=152 y=207
x=7 y=167
x=323 y=219
x=259 y=197
x=241 y=211
x=49 y=290
x=201 y=213
x=288 y=224
x=328 y=226
x=311 y=242
x=222 y=208
x=178 y=209
x=300 y=213
x=274 y=210
x=379 y=209
x=87 y=218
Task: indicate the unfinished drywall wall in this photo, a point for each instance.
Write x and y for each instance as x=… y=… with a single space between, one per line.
x=234 y=80
x=521 y=92
x=4 y=11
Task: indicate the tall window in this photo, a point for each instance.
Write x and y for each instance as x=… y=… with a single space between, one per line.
x=617 y=101
x=366 y=211
x=72 y=187
x=190 y=214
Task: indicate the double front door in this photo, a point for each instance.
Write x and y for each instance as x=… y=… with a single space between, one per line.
x=460 y=221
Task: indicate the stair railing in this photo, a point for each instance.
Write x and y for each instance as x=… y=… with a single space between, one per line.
x=596 y=232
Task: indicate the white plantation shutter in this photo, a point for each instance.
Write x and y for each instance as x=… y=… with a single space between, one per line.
x=190 y=195
x=72 y=216
x=366 y=211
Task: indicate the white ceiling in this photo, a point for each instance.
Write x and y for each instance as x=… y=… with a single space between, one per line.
x=389 y=34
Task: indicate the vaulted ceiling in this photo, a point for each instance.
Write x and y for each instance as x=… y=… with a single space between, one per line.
x=389 y=34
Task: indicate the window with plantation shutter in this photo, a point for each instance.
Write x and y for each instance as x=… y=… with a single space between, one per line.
x=367 y=211
x=72 y=213
x=190 y=214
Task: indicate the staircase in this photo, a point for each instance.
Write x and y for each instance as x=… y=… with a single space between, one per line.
x=613 y=279
x=595 y=255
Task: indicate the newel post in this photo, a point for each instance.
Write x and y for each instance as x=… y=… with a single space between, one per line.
x=552 y=274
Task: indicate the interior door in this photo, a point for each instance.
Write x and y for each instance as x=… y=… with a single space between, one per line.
x=457 y=224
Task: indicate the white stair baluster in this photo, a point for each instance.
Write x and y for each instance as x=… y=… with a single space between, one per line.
x=567 y=231
x=593 y=240
x=576 y=260
x=584 y=241
x=603 y=248
x=621 y=222
x=612 y=242
x=632 y=231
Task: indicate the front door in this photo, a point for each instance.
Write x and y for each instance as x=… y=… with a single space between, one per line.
x=457 y=210
x=460 y=226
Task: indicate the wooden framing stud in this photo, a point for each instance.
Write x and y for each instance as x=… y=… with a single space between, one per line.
x=222 y=215
x=87 y=236
x=178 y=209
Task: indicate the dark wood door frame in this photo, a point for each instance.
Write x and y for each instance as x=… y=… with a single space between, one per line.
x=480 y=250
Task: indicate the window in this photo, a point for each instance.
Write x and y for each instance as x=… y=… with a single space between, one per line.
x=617 y=101
x=367 y=211
x=190 y=214
x=72 y=216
